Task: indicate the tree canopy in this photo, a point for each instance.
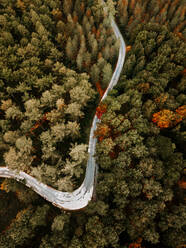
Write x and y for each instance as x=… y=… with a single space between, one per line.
x=48 y=93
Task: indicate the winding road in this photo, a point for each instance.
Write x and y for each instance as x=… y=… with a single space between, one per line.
x=79 y=198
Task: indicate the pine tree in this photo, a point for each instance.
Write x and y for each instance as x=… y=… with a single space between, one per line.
x=67 y=7
x=94 y=46
x=106 y=74
x=95 y=73
x=69 y=49
x=79 y=61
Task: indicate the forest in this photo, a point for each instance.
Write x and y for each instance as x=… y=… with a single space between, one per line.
x=57 y=58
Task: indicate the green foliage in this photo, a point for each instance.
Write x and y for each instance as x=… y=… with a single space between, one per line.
x=107 y=74
x=59 y=222
x=44 y=103
x=141 y=166
x=145 y=162
x=165 y=12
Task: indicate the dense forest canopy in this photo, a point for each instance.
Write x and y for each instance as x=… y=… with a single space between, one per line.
x=140 y=193
x=48 y=98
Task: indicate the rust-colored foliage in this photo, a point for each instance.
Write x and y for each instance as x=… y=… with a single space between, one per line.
x=99 y=89
x=88 y=13
x=101 y=109
x=179 y=27
x=2 y=186
x=184 y=72
x=102 y=131
x=180 y=35
x=38 y=123
x=128 y=48
x=75 y=18
x=124 y=2
x=136 y=244
x=182 y=111
x=182 y=184
x=166 y=118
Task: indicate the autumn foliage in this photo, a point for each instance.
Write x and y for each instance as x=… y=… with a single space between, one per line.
x=101 y=109
x=100 y=90
x=102 y=131
x=136 y=244
x=128 y=48
x=140 y=201
x=167 y=118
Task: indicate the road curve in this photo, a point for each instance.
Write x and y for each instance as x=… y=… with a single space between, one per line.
x=79 y=198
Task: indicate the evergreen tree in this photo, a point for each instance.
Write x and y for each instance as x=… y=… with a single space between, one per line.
x=69 y=49
x=140 y=197
x=67 y=6
x=107 y=73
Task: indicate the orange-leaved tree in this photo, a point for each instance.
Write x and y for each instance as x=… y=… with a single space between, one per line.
x=166 y=118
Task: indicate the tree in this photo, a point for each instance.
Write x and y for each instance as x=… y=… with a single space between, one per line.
x=139 y=191
x=95 y=73
x=106 y=74
x=69 y=49
x=67 y=7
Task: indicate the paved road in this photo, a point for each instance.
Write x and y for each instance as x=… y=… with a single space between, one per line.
x=79 y=198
